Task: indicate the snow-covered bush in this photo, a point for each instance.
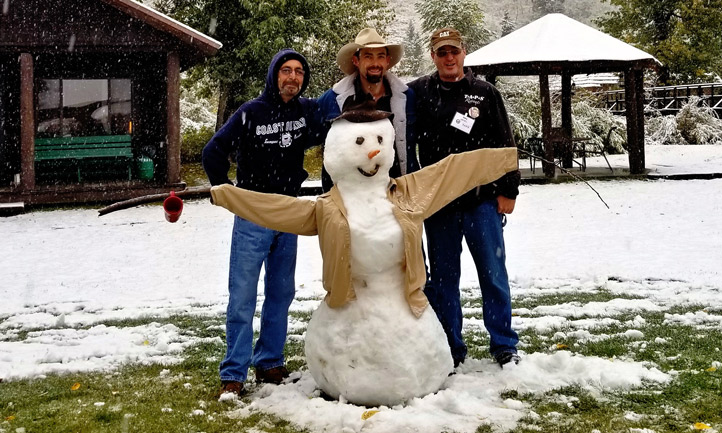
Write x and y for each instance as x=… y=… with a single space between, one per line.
x=196 y=112
x=524 y=108
x=198 y=121
x=695 y=123
x=698 y=123
x=660 y=129
x=601 y=126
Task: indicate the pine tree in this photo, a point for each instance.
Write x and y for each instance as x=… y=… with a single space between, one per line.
x=507 y=24
x=414 y=52
x=543 y=7
x=465 y=16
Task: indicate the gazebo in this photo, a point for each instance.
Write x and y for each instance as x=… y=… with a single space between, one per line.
x=558 y=45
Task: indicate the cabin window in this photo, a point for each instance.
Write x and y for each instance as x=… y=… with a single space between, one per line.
x=85 y=107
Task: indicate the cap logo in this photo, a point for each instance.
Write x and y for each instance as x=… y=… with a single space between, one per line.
x=443 y=34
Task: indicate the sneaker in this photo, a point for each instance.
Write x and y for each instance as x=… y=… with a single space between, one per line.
x=231 y=387
x=272 y=375
x=506 y=357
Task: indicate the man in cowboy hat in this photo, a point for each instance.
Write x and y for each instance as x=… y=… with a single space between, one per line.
x=366 y=62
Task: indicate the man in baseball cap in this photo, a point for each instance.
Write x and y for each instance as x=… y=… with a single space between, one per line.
x=446 y=36
x=458 y=112
x=448 y=53
x=366 y=62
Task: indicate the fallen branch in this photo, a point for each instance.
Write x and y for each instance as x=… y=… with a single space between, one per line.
x=565 y=171
x=188 y=192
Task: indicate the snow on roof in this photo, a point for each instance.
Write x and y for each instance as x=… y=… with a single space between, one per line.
x=555 y=37
x=187 y=34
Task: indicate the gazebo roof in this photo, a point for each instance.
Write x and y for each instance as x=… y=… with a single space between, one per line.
x=558 y=42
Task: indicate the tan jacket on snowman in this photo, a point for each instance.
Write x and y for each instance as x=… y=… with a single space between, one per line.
x=415 y=197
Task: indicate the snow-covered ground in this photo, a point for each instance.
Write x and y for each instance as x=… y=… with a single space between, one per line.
x=668 y=160
x=66 y=273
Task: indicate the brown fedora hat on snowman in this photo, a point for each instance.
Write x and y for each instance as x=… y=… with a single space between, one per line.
x=366 y=38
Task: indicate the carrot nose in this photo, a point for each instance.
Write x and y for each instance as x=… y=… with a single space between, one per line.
x=374 y=153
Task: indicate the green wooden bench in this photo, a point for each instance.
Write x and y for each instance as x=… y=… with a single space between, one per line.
x=98 y=152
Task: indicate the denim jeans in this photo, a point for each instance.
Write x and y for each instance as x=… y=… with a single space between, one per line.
x=482 y=228
x=251 y=247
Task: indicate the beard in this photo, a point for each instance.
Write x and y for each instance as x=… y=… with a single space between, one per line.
x=290 y=87
x=374 y=78
x=291 y=82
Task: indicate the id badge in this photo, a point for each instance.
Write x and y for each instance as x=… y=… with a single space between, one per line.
x=462 y=122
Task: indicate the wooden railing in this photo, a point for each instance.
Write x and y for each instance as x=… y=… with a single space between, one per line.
x=668 y=99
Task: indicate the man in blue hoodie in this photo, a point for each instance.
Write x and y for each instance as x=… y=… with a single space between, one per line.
x=268 y=136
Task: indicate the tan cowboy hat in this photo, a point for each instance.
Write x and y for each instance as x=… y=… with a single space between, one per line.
x=366 y=38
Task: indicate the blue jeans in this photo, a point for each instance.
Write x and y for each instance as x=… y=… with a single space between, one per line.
x=483 y=229
x=251 y=247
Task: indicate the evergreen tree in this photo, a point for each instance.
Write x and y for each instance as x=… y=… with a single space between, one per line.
x=685 y=35
x=414 y=53
x=465 y=16
x=543 y=7
x=253 y=31
x=507 y=24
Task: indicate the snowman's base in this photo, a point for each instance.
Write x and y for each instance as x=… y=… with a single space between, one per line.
x=374 y=351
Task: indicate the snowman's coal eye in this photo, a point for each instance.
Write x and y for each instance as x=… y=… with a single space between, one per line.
x=381 y=139
x=359 y=140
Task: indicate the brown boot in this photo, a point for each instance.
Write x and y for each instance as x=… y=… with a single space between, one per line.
x=272 y=375
x=232 y=387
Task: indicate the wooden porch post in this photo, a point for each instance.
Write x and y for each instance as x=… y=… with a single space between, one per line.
x=27 y=124
x=634 y=95
x=546 y=110
x=173 y=120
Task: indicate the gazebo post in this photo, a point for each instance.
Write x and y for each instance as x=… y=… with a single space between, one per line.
x=566 y=137
x=546 y=112
x=634 y=107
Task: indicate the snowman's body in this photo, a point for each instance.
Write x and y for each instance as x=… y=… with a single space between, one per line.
x=374 y=350
x=380 y=344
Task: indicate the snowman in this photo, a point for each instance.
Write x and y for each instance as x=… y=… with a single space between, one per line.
x=374 y=340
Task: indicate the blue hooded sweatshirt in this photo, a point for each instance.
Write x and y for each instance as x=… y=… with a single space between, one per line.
x=267 y=136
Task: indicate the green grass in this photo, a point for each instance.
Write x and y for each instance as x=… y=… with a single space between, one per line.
x=135 y=399
x=694 y=395
x=599 y=295
x=163 y=398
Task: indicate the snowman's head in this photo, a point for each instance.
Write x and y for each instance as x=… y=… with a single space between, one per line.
x=360 y=147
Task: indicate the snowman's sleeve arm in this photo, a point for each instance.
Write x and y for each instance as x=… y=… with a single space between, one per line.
x=273 y=211
x=436 y=185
